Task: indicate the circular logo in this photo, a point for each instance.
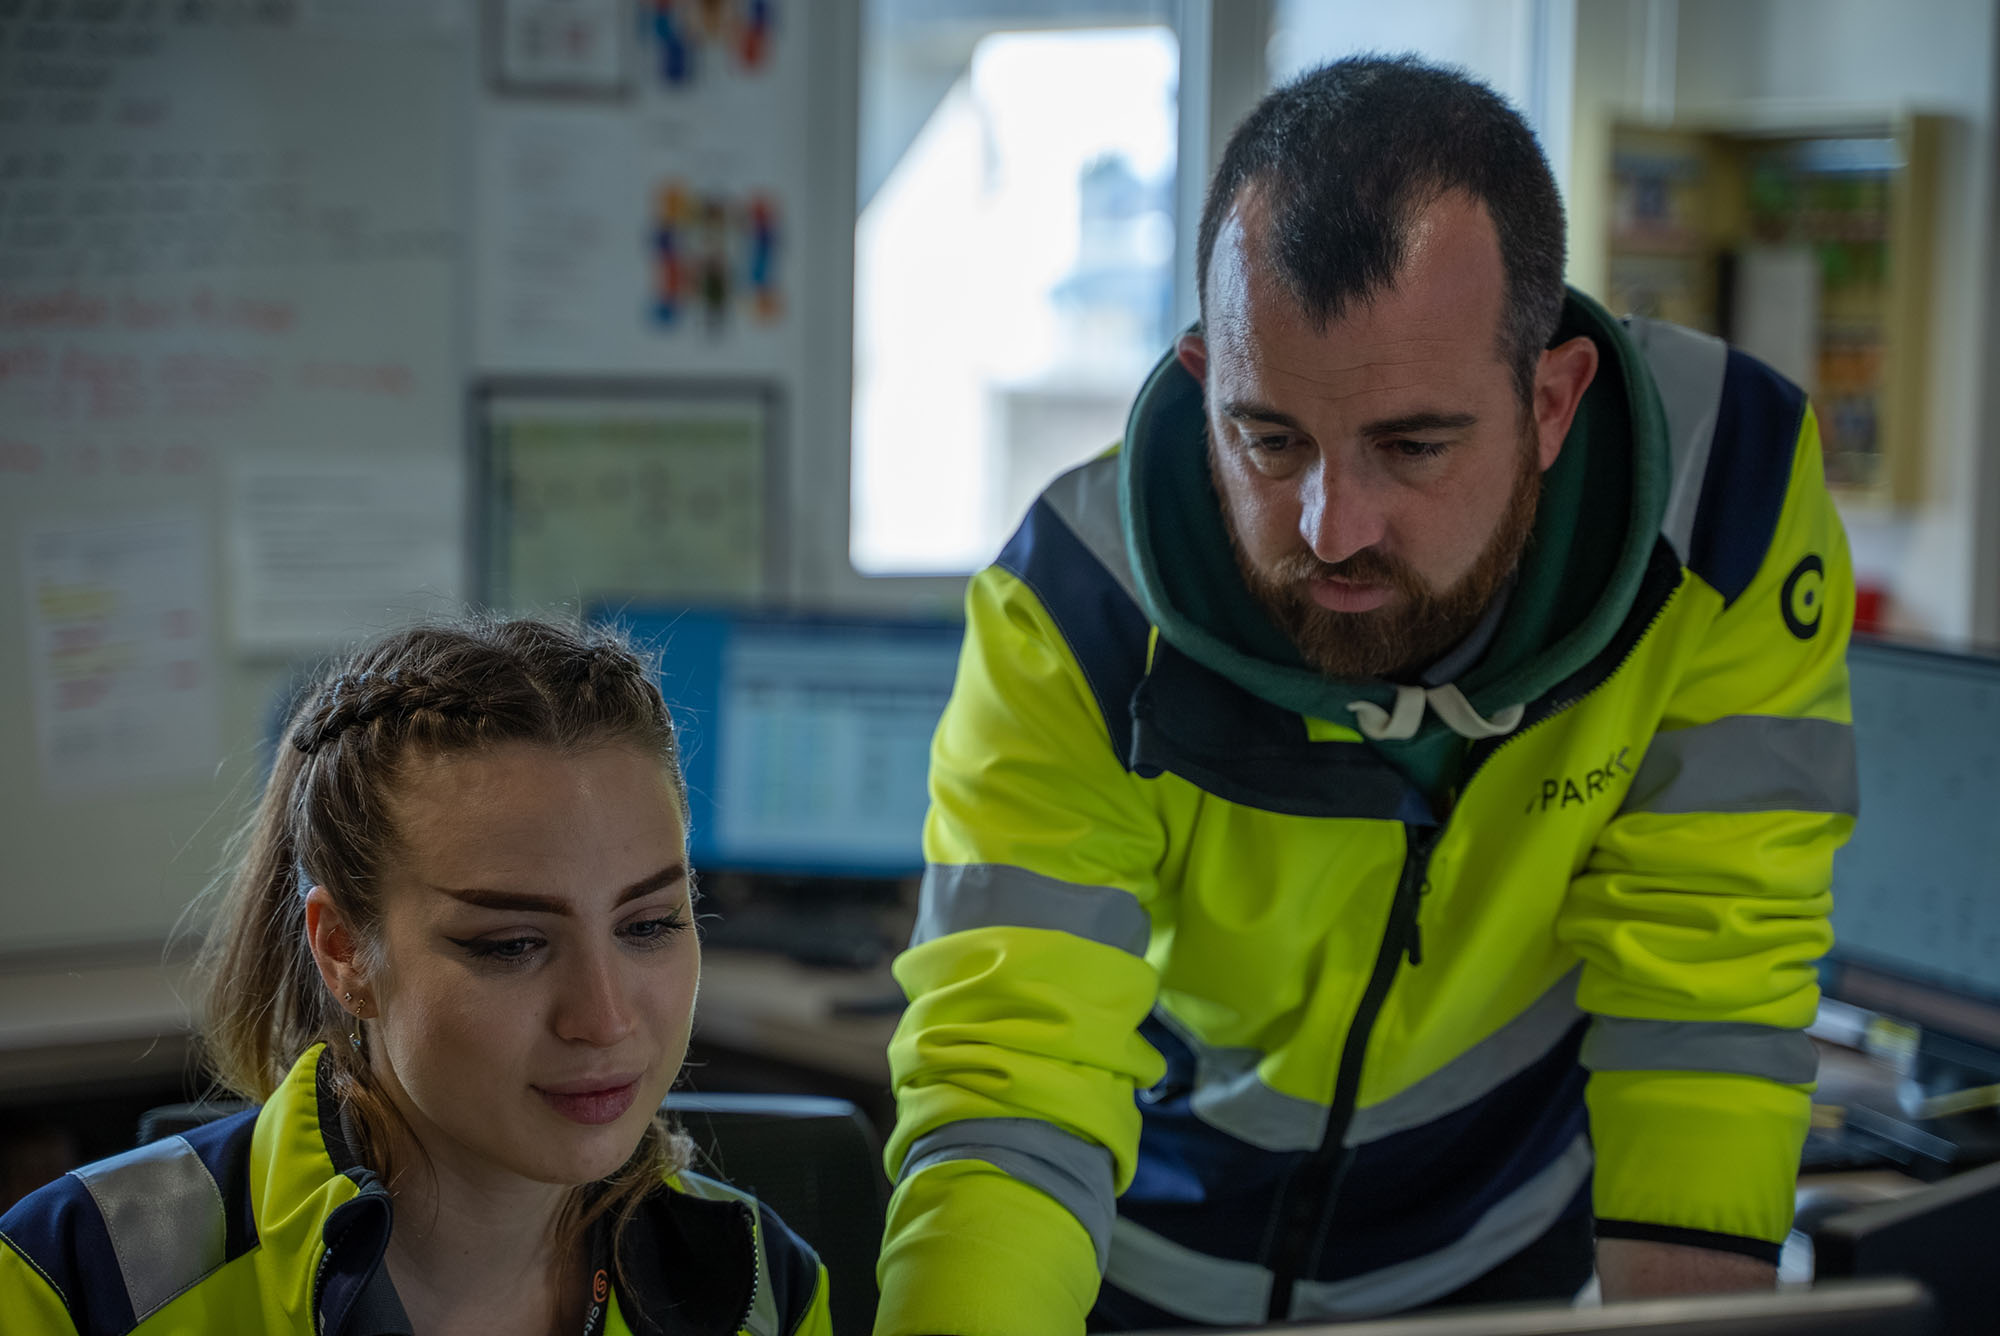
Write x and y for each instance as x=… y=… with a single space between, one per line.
x=598 y=1286
x=1799 y=601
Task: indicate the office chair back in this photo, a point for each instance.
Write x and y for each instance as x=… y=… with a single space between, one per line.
x=170 y=1120
x=813 y=1160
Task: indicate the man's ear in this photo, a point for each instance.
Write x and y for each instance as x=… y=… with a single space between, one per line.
x=1561 y=376
x=1192 y=350
x=336 y=950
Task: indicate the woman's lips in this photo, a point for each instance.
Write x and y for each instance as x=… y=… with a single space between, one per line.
x=1349 y=595
x=591 y=1103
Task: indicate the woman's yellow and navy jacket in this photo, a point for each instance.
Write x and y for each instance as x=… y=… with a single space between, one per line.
x=1218 y=1015
x=265 y=1222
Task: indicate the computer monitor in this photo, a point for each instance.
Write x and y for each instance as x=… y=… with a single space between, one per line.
x=806 y=740
x=1854 y=1308
x=1946 y=1236
x=1916 y=892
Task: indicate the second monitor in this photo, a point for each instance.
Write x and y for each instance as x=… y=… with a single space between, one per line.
x=806 y=740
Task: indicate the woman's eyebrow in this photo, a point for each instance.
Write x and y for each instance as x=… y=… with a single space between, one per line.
x=528 y=903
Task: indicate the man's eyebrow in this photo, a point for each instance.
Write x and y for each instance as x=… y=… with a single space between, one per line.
x=1242 y=409
x=1410 y=423
x=523 y=902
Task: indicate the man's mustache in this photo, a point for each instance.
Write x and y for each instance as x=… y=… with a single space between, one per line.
x=1368 y=566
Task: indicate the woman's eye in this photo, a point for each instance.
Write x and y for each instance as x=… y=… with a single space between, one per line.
x=506 y=949
x=648 y=931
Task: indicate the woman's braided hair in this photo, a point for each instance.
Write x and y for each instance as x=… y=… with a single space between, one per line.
x=326 y=820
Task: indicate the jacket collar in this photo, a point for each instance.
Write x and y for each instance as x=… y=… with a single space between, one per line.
x=691 y=1262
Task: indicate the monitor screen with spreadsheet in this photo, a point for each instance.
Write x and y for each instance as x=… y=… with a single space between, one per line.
x=806 y=740
x=1916 y=908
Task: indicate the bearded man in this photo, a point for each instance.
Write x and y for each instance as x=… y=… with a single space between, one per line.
x=1382 y=830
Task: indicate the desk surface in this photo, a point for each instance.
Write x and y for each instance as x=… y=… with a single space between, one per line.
x=772 y=1007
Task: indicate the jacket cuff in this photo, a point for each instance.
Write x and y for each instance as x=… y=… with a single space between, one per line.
x=1698 y=1152
x=1690 y=1238
x=974 y=1252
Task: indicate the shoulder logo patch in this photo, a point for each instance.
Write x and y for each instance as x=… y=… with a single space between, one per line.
x=1799 y=601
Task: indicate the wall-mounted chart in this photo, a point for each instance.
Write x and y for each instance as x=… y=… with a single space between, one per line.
x=595 y=491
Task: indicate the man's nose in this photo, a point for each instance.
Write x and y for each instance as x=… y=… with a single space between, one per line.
x=1339 y=513
x=595 y=1004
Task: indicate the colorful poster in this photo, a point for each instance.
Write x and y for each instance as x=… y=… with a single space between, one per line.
x=654 y=233
x=121 y=636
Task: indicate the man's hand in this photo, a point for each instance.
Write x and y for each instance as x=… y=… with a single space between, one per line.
x=1640 y=1269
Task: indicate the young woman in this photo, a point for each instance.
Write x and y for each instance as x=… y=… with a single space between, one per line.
x=457 y=967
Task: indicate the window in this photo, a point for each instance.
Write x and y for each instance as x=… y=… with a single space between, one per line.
x=1013 y=261
x=1523 y=49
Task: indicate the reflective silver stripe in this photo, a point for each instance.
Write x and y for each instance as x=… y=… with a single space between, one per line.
x=1202 y=1288
x=988 y=895
x=763 y=1319
x=1508 y=1225
x=165 y=1217
x=1230 y=1096
x=1688 y=368
x=1749 y=763
x=1086 y=499
x=1476 y=1072
x=1184 y=1282
x=1077 y=1173
x=1615 y=1044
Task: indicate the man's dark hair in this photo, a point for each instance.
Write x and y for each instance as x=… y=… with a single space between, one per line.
x=1348 y=155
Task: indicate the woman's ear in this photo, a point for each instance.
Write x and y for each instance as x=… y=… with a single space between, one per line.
x=336 y=950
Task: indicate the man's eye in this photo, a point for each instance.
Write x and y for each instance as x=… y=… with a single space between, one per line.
x=1419 y=449
x=1271 y=444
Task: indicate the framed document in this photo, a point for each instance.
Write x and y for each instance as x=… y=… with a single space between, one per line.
x=594 y=491
x=559 y=48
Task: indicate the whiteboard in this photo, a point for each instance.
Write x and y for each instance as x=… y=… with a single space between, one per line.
x=228 y=233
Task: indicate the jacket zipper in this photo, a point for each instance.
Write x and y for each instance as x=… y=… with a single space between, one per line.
x=756 y=1269
x=1309 y=1196
x=1315 y=1184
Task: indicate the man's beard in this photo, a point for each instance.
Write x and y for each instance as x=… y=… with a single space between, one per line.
x=1420 y=624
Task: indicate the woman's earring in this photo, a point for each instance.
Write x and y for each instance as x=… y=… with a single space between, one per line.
x=353 y=1034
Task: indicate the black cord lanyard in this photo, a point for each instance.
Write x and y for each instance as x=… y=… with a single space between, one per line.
x=597 y=1295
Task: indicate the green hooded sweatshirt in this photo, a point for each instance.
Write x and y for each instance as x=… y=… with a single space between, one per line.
x=1599 y=516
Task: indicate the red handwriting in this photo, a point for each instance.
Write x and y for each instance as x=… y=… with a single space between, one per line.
x=26 y=361
x=65 y=308
x=21 y=457
x=81 y=693
x=251 y=315
x=89 y=460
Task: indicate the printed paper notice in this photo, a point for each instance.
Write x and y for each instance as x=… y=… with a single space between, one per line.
x=121 y=634
x=323 y=551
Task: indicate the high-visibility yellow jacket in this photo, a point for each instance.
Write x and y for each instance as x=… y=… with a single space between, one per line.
x=1211 y=1004
x=264 y=1222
